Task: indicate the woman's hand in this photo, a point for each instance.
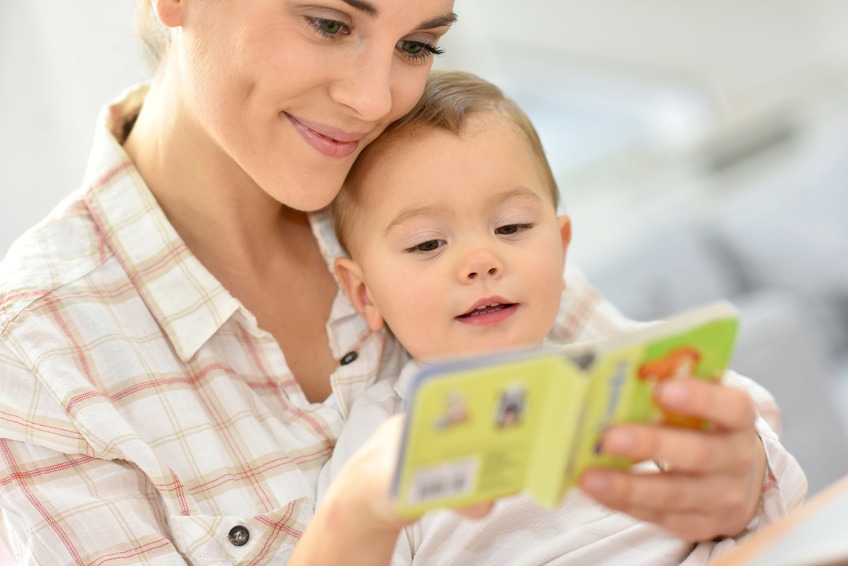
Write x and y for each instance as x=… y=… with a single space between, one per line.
x=712 y=480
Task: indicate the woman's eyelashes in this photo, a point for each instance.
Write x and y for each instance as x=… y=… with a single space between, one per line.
x=415 y=51
x=418 y=50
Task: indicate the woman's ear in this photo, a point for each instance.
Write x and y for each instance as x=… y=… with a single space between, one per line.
x=565 y=233
x=353 y=282
x=169 y=12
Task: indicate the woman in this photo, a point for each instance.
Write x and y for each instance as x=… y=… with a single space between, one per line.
x=176 y=358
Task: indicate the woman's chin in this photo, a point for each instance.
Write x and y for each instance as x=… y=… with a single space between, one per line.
x=308 y=198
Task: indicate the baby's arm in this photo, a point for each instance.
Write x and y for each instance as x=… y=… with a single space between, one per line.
x=371 y=409
x=355 y=522
x=362 y=465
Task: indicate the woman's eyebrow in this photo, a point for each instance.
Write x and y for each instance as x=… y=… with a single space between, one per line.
x=372 y=11
x=441 y=21
x=362 y=6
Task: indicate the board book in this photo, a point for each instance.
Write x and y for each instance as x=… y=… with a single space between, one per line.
x=484 y=427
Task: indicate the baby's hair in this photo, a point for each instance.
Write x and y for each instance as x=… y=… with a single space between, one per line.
x=449 y=99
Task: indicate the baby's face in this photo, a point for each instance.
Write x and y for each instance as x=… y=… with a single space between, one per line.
x=460 y=247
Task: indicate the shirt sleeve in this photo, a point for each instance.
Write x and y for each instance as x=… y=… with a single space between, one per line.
x=60 y=503
x=784 y=484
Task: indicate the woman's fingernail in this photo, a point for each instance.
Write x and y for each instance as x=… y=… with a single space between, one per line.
x=596 y=483
x=674 y=394
x=619 y=441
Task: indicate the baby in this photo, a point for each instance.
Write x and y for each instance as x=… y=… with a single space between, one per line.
x=450 y=220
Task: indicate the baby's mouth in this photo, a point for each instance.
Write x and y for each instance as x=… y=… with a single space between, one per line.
x=486 y=309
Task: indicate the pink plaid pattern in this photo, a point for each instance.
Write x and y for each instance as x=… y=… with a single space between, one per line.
x=143 y=413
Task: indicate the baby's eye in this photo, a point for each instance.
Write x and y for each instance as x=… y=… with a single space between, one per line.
x=428 y=246
x=509 y=229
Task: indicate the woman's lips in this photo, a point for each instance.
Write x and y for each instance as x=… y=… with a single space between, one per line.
x=332 y=143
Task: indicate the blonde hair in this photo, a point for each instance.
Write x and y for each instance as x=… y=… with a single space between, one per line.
x=449 y=99
x=154 y=36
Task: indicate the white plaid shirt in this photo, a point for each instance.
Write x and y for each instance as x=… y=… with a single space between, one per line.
x=145 y=417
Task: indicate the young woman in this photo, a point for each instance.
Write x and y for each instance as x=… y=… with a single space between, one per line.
x=176 y=359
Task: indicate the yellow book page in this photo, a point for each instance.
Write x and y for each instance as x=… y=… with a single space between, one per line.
x=478 y=434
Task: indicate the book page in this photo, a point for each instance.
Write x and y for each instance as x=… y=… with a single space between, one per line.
x=478 y=434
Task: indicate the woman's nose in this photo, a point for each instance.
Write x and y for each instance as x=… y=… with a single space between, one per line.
x=364 y=84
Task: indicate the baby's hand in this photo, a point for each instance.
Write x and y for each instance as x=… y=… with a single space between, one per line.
x=356 y=522
x=711 y=481
x=358 y=513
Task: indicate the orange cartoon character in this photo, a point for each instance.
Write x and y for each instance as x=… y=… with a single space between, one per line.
x=679 y=363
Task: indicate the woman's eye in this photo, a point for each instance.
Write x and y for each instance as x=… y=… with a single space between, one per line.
x=418 y=49
x=509 y=229
x=331 y=28
x=428 y=246
x=411 y=47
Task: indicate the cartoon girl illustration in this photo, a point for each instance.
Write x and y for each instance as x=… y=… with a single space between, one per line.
x=680 y=363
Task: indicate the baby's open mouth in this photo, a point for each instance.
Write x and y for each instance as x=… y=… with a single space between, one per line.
x=486 y=309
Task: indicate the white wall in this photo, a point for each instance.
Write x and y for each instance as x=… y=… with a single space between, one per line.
x=59 y=62
x=731 y=47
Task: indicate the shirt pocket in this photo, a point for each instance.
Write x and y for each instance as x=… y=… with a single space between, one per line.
x=268 y=538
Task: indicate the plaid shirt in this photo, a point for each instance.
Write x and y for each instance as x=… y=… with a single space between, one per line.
x=144 y=416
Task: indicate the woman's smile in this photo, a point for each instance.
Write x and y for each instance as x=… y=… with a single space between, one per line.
x=329 y=141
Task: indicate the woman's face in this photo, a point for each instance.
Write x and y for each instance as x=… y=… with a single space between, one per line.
x=290 y=91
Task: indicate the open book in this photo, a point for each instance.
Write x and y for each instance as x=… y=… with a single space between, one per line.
x=483 y=427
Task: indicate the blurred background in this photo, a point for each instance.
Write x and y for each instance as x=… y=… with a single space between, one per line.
x=701 y=149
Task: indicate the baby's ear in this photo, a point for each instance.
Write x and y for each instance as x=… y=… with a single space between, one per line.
x=565 y=233
x=353 y=282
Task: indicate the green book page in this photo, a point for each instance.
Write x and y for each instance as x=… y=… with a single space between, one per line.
x=624 y=378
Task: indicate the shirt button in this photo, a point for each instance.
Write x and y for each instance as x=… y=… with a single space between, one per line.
x=348 y=358
x=239 y=535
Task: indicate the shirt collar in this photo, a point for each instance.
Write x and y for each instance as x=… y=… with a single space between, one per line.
x=188 y=303
x=403 y=384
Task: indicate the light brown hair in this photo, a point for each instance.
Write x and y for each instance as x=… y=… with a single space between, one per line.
x=154 y=36
x=449 y=99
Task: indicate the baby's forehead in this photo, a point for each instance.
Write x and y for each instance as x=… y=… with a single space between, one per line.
x=402 y=140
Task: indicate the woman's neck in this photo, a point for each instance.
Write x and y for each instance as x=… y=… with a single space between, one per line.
x=263 y=253
x=223 y=216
